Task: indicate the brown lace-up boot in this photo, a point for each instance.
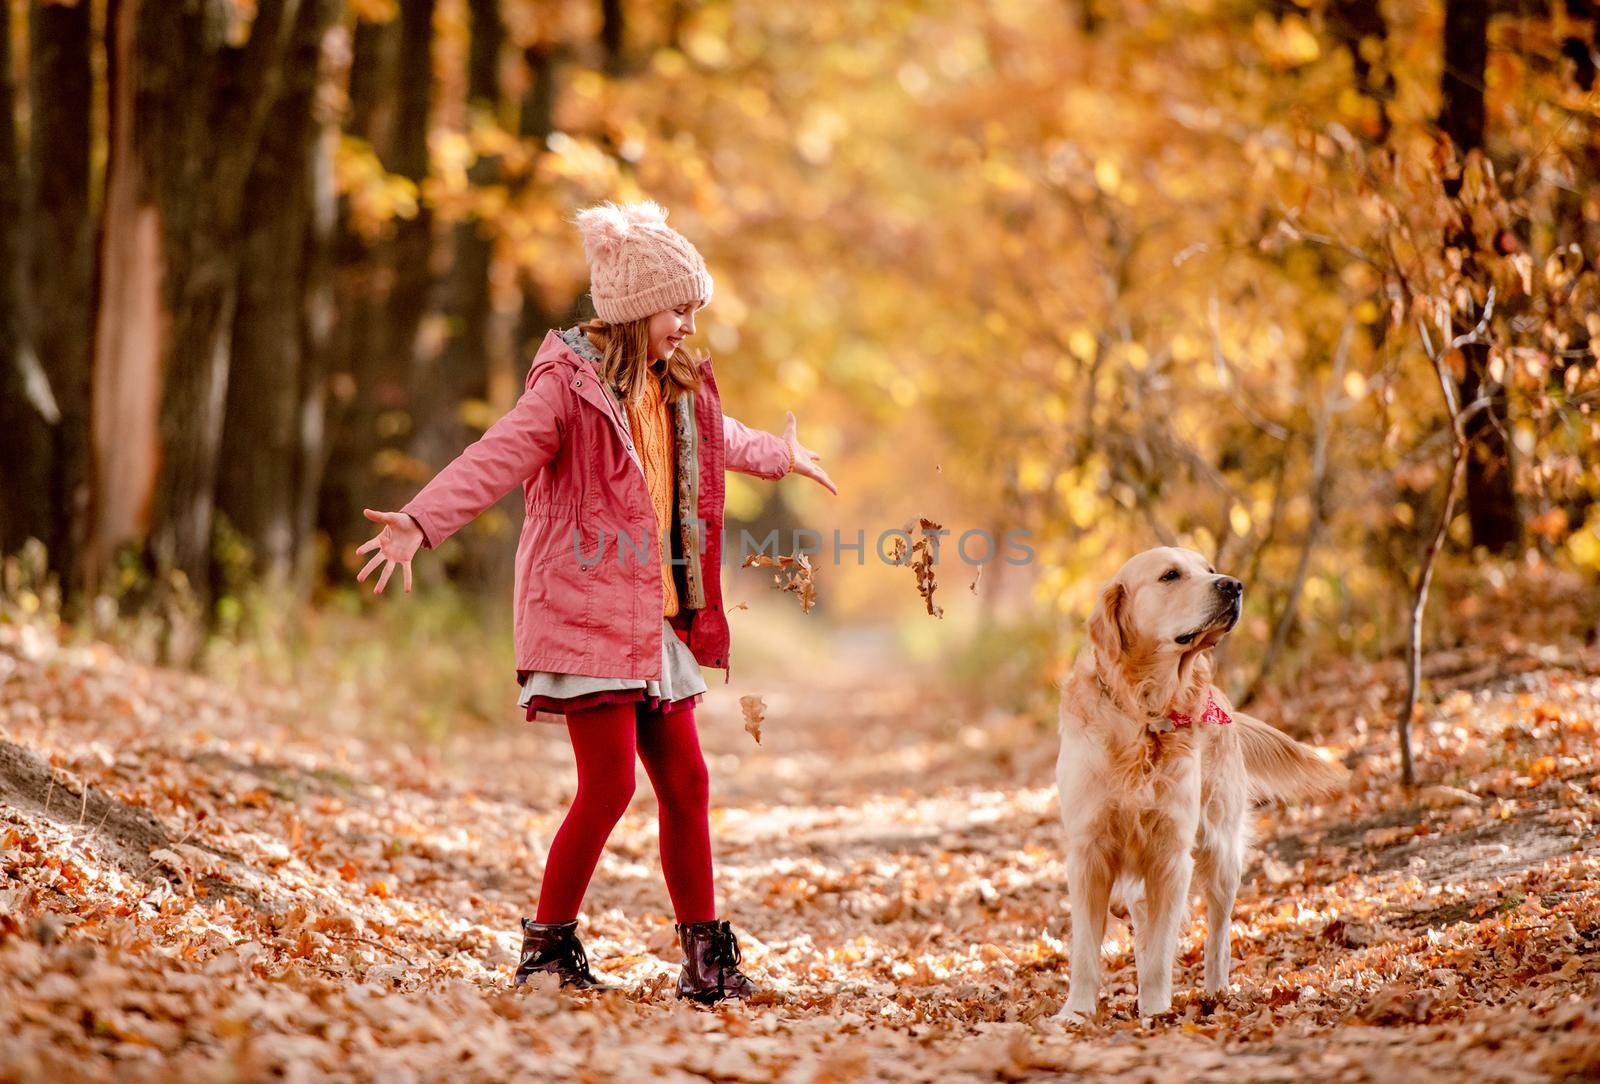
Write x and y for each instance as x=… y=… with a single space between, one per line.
x=554 y=947
x=711 y=963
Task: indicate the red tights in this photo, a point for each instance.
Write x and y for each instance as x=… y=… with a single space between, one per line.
x=604 y=739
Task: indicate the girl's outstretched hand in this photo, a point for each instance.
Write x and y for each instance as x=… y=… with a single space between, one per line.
x=805 y=460
x=396 y=544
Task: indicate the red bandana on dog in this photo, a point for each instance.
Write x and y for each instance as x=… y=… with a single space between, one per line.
x=1176 y=720
x=1213 y=713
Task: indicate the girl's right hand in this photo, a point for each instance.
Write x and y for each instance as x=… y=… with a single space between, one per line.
x=396 y=544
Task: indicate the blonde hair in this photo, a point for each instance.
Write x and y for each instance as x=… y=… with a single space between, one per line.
x=625 y=360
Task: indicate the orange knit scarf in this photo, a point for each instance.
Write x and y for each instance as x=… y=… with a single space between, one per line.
x=651 y=423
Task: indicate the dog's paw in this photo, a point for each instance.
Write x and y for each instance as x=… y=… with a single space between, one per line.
x=1070 y=1017
x=1155 y=1012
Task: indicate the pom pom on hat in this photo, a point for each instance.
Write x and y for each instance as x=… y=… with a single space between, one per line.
x=605 y=226
x=638 y=265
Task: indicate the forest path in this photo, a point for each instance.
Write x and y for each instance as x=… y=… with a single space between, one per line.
x=246 y=888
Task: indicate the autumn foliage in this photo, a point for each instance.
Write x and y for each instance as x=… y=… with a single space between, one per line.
x=1312 y=287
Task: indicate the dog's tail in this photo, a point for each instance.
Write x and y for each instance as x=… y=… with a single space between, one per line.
x=1279 y=766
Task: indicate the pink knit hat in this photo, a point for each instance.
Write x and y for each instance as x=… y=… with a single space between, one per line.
x=639 y=265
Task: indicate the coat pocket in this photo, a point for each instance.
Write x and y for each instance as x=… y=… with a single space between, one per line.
x=559 y=572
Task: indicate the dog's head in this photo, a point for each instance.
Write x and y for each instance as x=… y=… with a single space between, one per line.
x=1154 y=620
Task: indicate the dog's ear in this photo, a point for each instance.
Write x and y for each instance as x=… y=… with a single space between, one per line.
x=1107 y=630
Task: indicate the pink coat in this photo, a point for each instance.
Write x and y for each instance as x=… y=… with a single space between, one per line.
x=565 y=441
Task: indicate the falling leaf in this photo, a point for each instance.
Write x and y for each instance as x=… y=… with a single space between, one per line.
x=755 y=710
x=920 y=555
x=794 y=575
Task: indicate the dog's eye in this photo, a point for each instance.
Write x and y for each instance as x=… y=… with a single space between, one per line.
x=1169 y=575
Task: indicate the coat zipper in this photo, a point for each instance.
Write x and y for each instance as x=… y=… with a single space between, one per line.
x=618 y=420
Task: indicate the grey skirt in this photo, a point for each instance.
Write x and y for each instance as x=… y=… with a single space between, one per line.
x=680 y=685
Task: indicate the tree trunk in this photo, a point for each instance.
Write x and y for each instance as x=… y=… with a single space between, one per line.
x=613 y=36
x=1466 y=53
x=177 y=217
x=536 y=123
x=1352 y=22
x=1491 y=494
x=388 y=374
x=63 y=262
x=25 y=455
x=461 y=371
x=126 y=386
x=474 y=339
x=384 y=288
x=357 y=278
x=319 y=321
x=413 y=240
x=261 y=440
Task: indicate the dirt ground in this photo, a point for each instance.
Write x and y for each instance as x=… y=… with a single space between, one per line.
x=198 y=885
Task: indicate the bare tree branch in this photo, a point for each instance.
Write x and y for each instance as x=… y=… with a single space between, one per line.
x=1331 y=401
x=1419 y=596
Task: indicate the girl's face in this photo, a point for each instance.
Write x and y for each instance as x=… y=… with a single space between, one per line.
x=670 y=327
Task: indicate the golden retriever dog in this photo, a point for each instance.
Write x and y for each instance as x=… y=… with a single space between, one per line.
x=1157 y=771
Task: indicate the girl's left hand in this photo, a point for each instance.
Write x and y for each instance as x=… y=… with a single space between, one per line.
x=805 y=460
x=396 y=544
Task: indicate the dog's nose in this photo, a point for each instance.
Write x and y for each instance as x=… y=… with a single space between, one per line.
x=1230 y=587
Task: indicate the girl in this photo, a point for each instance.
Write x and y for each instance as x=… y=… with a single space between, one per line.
x=620 y=444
